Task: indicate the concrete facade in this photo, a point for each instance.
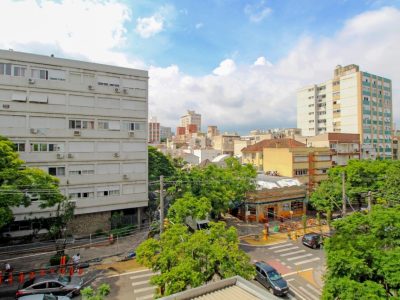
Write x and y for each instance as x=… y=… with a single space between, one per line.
x=82 y=122
x=352 y=102
x=191 y=118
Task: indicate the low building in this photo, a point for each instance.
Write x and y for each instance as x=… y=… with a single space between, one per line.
x=225 y=142
x=344 y=146
x=275 y=197
x=165 y=133
x=395 y=147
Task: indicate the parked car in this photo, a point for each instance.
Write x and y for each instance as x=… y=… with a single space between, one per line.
x=271 y=279
x=313 y=240
x=54 y=284
x=44 y=297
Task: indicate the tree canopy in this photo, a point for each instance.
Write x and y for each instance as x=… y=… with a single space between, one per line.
x=381 y=177
x=190 y=260
x=20 y=184
x=159 y=164
x=363 y=256
x=224 y=187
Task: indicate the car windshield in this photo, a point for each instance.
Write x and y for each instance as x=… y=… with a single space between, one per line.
x=64 y=279
x=273 y=275
x=49 y=297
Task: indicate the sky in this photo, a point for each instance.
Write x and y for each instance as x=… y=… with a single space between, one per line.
x=238 y=63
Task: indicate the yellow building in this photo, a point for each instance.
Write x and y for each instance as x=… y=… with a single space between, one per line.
x=290 y=158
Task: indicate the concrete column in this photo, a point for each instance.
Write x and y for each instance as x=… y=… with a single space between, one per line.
x=257 y=213
x=139 y=216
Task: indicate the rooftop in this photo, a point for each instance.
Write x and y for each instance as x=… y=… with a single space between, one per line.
x=274 y=143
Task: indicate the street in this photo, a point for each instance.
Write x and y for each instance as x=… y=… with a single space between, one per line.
x=301 y=266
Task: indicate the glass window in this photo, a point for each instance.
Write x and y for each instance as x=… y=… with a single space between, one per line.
x=5 y=69
x=40 y=286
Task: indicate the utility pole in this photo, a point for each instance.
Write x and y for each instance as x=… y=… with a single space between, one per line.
x=161 y=203
x=343 y=195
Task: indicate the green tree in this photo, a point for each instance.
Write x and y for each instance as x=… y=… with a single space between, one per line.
x=363 y=257
x=20 y=184
x=88 y=293
x=188 y=205
x=190 y=260
x=159 y=164
x=225 y=187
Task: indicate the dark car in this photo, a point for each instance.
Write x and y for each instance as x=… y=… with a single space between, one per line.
x=313 y=240
x=271 y=279
x=51 y=284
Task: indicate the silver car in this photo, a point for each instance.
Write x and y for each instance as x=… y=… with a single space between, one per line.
x=53 y=284
x=44 y=297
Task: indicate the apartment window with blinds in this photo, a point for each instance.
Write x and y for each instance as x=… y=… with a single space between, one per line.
x=108 y=192
x=81 y=124
x=40 y=74
x=134 y=126
x=19 y=147
x=81 y=195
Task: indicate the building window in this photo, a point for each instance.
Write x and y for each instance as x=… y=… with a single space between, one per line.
x=300 y=172
x=46 y=147
x=81 y=195
x=5 y=69
x=109 y=192
x=296 y=205
x=40 y=74
x=81 y=172
x=133 y=126
x=19 y=147
x=57 y=171
x=19 y=71
x=81 y=124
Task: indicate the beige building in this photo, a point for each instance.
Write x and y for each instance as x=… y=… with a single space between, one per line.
x=225 y=142
x=352 y=102
x=154 y=135
x=344 y=146
x=191 y=118
x=84 y=123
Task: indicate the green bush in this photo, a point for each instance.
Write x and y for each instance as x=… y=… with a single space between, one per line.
x=122 y=231
x=55 y=259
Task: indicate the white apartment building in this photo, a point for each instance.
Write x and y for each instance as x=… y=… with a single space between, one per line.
x=352 y=102
x=84 y=123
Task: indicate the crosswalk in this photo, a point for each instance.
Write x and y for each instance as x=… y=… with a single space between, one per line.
x=295 y=258
x=142 y=289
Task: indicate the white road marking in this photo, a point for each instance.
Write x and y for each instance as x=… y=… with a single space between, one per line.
x=287 y=249
x=294 y=252
x=306 y=261
x=298 y=295
x=293 y=273
x=152 y=288
x=308 y=293
x=142 y=276
x=140 y=283
x=300 y=256
x=127 y=273
x=280 y=246
x=290 y=279
x=314 y=289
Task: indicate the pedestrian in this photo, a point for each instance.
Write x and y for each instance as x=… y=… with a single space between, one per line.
x=76 y=259
x=8 y=270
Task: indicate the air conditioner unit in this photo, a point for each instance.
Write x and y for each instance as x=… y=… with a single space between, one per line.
x=116 y=154
x=131 y=133
x=77 y=132
x=91 y=87
x=70 y=155
x=6 y=106
x=125 y=176
x=116 y=90
x=60 y=155
x=125 y=91
x=34 y=131
x=31 y=81
x=73 y=203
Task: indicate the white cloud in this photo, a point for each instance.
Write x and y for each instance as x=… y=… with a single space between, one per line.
x=261 y=61
x=91 y=30
x=199 y=25
x=264 y=96
x=257 y=12
x=147 y=27
x=226 y=67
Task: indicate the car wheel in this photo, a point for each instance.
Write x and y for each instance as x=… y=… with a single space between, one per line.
x=314 y=246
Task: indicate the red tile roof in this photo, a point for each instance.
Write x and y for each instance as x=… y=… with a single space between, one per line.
x=273 y=143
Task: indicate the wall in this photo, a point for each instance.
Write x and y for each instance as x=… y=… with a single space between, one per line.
x=278 y=159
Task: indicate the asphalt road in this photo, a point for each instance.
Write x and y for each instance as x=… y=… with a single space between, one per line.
x=292 y=258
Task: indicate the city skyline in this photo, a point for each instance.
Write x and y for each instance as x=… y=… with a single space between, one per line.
x=238 y=64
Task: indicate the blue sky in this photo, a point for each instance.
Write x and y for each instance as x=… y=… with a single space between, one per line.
x=238 y=63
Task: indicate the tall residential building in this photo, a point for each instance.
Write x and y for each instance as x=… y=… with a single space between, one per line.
x=165 y=132
x=84 y=123
x=191 y=118
x=352 y=102
x=154 y=131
